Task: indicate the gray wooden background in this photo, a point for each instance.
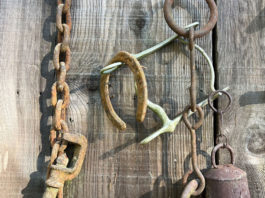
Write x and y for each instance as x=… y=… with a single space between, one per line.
x=116 y=165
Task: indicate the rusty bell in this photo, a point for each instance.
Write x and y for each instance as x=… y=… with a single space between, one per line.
x=226 y=181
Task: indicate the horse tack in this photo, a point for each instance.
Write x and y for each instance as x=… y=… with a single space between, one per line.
x=141 y=84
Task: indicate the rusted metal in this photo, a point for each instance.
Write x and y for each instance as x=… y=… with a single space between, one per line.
x=66 y=95
x=217 y=147
x=59 y=168
x=210 y=101
x=66 y=38
x=61 y=75
x=141 y=83
x=59 y=17
x=199 y=123
x=192 y=70
x=190 y=188
x=67 y=5
x=226 y=180
x=61 y=171
x=59 y=14
x=182 y=32
x=192 y=129
x=57 y=115
x=220 y=112
x=56 y=57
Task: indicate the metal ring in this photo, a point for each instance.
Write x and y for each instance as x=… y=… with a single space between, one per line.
x=216 y=148
x=180 y=31
x=186 y=121
x=211 y=103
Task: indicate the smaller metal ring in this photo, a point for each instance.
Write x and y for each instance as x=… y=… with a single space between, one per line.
x=186 y=121
x=216 y=148
x=211 y=103
x=182 y=32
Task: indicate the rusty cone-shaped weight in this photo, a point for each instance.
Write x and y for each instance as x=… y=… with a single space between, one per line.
x=226 y=181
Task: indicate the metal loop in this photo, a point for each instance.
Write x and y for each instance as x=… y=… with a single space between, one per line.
x=182 y=32
x=216 y=148
x=211 y=103
x=54 y=137
x=61 y=75
x=186 y=121
x=66 y=95
x=57 y=115
x=56 y=57
x=67 y=5
x=59 y=17
x=66 y=38
x=59 y=14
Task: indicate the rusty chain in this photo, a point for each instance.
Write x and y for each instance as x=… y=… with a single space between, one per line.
x=58 y=171
x=193 y=187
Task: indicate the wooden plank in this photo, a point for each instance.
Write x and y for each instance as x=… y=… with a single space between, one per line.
x=116 y=165
x=240 y=49
x=21 y=150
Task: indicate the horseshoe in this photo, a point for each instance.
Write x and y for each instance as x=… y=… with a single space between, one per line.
x=141 y=83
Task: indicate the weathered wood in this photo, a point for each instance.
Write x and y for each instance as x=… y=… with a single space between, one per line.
x=22 y=148
x=116 y=165
x=240 y=49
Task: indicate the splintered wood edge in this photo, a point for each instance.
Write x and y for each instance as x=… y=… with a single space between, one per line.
x=142 y=93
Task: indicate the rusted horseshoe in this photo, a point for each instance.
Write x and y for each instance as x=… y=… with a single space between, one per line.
x=141 y=83
x=182 y=32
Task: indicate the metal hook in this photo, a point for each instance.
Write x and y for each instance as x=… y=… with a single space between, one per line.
x=140 y=80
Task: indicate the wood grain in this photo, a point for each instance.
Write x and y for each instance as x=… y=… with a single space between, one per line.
x=116 y=165
x=240 y=49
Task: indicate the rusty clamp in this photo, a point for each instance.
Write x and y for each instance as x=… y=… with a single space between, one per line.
x=63 y=170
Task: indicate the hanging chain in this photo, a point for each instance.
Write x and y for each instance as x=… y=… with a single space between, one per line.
x=193 y=187
x=58 y=171
x=61 y=61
